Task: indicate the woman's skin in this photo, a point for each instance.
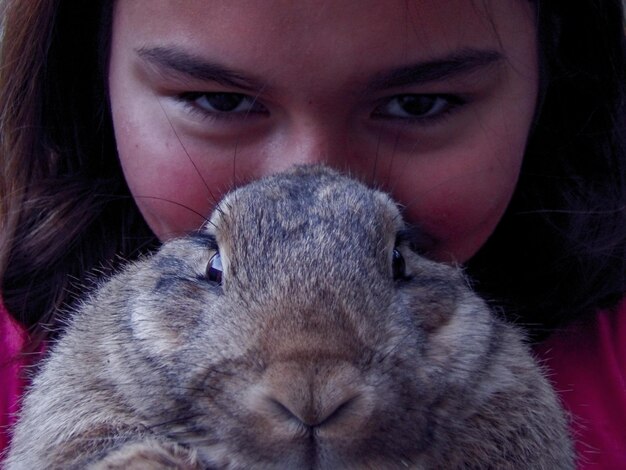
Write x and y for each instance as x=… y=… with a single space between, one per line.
x=430 y=100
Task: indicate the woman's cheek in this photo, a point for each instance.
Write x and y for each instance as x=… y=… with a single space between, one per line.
x=459 y=206
x=172 y=189
x=457 y=228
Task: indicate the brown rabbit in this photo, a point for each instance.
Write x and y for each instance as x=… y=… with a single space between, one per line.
x=298 y=329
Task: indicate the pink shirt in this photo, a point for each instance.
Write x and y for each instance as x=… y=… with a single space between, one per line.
x=587 y=366
x=12 y=339
x=586 y=362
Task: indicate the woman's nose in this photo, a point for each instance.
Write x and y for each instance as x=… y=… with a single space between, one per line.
x=311 y=143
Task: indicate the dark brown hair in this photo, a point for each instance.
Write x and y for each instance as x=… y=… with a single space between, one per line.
x=558 y=253
x=64 y=206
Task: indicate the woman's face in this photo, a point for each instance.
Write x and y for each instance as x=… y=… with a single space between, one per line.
x=430 y=100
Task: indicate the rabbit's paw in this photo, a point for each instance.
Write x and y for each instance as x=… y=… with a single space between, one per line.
x=149 y=455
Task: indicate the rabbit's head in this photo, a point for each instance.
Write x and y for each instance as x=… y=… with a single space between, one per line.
x=300 y=325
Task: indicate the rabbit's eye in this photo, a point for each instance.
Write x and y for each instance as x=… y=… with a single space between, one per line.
x=214 y=269
x=397 y=265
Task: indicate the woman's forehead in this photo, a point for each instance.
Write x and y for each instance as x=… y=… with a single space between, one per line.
x=307 y=30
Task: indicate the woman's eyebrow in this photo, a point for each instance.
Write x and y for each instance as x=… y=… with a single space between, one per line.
x=447 y=67
x=176 y=62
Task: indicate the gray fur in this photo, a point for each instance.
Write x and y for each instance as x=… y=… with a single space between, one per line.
x=309 y=355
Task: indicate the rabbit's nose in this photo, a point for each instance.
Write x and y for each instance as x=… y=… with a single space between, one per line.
x=307 y=413
x=325 y=399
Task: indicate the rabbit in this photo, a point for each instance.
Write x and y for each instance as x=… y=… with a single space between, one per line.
x=299 y=328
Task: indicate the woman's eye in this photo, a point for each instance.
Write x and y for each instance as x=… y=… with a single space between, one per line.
x=214 y=269
x=416 y=106
x=223 y=103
